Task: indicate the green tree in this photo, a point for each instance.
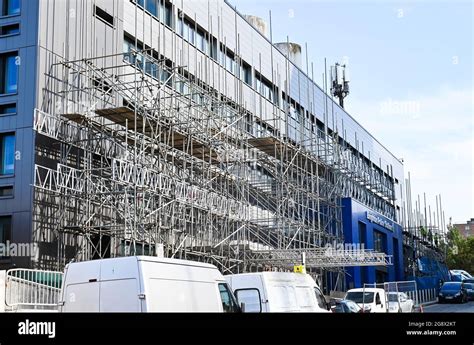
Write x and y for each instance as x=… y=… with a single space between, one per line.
x=460 y=251
x=423 y=232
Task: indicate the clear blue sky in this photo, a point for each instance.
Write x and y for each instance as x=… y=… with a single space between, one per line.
x=411 y=68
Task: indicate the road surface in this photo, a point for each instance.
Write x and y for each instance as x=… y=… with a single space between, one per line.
x=450 y=308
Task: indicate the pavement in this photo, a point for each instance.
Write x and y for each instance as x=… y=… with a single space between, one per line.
x=450 y=308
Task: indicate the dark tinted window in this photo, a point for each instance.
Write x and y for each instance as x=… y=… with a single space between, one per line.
x=6 y=191
x=107 y=18
x=5 y=229
x=6 y=109
x=10 y=29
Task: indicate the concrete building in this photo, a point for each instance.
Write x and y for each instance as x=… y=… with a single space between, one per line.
x=177 y=128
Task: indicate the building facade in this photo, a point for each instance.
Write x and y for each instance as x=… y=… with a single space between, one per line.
x=149 y=126
x=467 y=229
x=369 y=229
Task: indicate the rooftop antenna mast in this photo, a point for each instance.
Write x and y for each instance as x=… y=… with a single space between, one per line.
x=339 y=82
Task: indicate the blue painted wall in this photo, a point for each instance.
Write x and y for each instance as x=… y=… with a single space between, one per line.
x=354 y=217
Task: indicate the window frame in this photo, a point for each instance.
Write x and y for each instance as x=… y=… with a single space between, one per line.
x=318 y=293
x=236 y=307
x=3 y=135
x=3 y=11
x=164 y=11
x=7 y=196
x=249 y=289
x=3 y=72
x=99 y=16
x=9 y=237
x=11 y=104
x=10 y=34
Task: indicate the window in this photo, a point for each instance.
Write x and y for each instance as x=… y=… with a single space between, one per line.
x=191 y=33
x=5 y=229
x=7 y=109
x=379 y=241
x=157 y=8
x=228 y=301
x=104 y=16
x=10 y=7
x=166 y=14
x=320 y=298
x=229 y=63
x=247 y=73
x=251 y=299
x=213 y=48
x=266 y=89
x=10 y=29
x=152 y=7
x=7 y=154
x=130 y=52
x=201 y=41
x=180 y=26
x=9 y=73
x=6 y=191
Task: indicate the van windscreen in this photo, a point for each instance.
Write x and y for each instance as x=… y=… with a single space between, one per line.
x=360 y=296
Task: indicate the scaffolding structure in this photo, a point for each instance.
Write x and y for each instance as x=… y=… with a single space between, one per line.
x=134 y=155
x=425 y=235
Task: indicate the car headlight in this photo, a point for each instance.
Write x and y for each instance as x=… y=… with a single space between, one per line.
x=441 y=294
x=458 y=294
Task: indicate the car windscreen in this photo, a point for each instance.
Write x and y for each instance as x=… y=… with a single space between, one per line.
x=360 y=296
x=469 y=285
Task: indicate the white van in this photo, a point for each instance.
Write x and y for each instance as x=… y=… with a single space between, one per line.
x=277 y=292
x=372 y=300
x=145 y=284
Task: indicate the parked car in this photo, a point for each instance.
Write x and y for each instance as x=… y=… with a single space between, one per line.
x=277 y=292
x=398 y=302
x=369 y=299
x=452 y=292
x=145 y=284
x=469 y=286
x=462 y=272
x=345 y=306
x=459 y=275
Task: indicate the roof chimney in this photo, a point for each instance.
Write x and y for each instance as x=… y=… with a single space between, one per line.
x=258 y=23
x=291 y=50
